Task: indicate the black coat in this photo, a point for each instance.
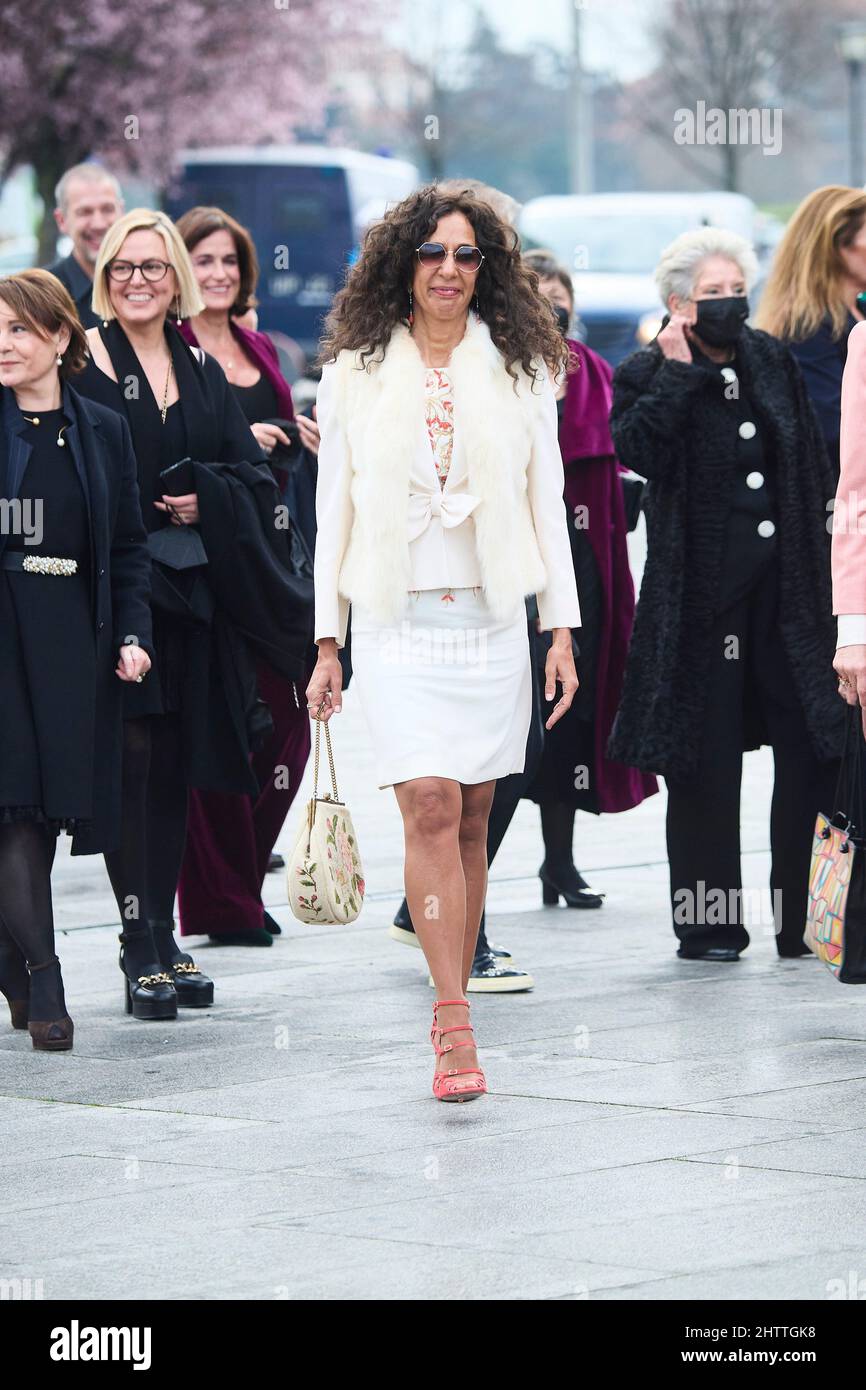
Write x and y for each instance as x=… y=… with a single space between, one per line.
x=101 y=448
x=246 y=602
x=79 y=285
x=822 y=359
x=671 y=424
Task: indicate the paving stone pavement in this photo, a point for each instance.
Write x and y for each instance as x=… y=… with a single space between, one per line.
x=655 y=1130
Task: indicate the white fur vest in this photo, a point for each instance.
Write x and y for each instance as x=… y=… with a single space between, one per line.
x=380 y=408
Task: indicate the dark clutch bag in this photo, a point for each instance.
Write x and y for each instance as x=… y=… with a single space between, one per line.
x=178 y=547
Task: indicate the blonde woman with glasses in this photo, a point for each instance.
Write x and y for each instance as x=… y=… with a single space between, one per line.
x=220 y=593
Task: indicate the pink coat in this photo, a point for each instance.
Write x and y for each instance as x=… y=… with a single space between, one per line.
x=849 y=516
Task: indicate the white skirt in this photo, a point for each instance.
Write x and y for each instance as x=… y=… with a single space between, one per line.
x=447 y=691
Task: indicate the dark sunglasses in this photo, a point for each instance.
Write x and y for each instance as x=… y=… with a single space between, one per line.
x=466 y=258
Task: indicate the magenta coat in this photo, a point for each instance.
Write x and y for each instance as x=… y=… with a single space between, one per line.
x=592 y=481
x=261 y=351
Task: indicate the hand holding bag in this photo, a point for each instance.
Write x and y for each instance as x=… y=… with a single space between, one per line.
x=836 y=913
x=325 y=874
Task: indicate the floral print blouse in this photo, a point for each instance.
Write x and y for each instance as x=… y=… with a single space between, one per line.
x=440 y=419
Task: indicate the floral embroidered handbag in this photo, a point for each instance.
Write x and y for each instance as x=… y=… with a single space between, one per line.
x=836 y=912
x=325 y=874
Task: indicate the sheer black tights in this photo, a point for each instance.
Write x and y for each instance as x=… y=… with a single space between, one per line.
x=26 y=917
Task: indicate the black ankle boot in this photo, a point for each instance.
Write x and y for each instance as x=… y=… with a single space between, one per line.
x=14 y=982
x=49 y=1025
x=148 y=991
x=194 y=989
x=564 y=881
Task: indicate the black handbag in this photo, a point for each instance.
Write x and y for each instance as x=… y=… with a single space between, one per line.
x=178 y=547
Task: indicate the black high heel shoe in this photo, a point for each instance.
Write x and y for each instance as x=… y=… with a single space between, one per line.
x=193 y=988
x=567 y=884
x=149 y=994
x=46 y=996
x=14 y=983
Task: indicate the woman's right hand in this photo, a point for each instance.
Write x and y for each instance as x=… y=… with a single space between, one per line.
x=673 y=339
x=269 y=436
x=326 y=682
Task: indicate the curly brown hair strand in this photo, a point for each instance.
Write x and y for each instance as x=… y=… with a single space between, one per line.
x=375 y=296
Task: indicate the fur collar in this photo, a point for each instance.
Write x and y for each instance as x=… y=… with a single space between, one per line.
x=384 y=414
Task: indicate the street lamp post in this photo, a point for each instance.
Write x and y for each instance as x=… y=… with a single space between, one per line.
x=852 y=47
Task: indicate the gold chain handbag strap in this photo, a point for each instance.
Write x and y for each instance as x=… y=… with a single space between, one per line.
x=319 y=723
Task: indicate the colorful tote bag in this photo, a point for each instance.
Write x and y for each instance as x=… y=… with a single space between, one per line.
x=325 y=874
x=836 y=913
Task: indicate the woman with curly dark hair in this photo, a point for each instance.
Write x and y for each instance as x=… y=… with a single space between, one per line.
x=439 y=508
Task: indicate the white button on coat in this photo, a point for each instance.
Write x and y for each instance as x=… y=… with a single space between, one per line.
x=754 y=480
x=766 y=529
x=748 y=429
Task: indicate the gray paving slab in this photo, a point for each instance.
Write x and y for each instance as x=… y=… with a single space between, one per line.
x=654 y=1129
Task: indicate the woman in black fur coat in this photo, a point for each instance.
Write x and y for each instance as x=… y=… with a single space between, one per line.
x=734 y=635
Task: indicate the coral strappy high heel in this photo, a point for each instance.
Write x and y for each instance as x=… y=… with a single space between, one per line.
x=447 y=1085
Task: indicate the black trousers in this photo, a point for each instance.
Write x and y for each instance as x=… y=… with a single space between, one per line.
x=749 y=674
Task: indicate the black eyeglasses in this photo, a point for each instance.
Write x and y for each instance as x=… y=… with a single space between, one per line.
x=466 y=258
x=153 y=271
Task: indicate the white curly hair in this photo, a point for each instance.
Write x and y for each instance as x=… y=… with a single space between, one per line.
x=680 y=262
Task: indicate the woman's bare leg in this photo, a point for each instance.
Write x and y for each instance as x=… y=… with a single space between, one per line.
x=432 y=809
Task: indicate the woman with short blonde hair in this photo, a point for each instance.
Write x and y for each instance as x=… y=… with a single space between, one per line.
x=220 y=588
x=187 y=297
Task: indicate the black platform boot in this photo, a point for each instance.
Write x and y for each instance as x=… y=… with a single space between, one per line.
x=49 y=1025
x=14 y=982
x=149 y=990
x=194 y=988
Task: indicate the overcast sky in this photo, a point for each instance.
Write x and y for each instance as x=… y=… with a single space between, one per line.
x=613 y=30
x=614 y=36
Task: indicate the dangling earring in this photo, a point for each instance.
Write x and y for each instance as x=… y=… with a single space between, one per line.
x=177 y=310
x=411 y=309
x=475 y=305
x=60 y=359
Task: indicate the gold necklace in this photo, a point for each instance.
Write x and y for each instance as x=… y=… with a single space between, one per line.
x=164 y=410
x=34 y=420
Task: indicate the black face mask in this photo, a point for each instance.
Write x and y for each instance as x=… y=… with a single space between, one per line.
x=563 y=318
x=720 y=321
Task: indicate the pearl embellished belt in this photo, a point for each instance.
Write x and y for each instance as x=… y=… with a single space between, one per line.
x=38 y=564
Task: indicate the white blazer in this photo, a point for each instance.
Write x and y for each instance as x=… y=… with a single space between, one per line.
x=385 y=523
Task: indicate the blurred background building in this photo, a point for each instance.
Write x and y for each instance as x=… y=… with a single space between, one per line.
x=305 y=117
